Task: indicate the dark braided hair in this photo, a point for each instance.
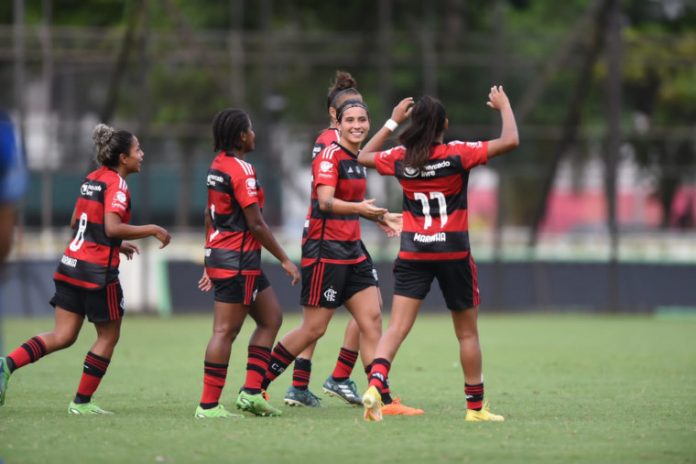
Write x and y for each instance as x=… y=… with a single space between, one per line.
x=344 y=84
x=427 y=123
x=110 y=144
x=228 y=126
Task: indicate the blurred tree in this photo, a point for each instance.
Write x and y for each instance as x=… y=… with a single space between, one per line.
x=660 y=71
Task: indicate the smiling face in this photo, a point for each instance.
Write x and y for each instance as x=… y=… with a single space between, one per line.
x=133 y=160
x=354 y=126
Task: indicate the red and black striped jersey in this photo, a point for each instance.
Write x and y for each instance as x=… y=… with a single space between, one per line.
x=91 y=259
x=230 y=248
x=326 y=138
x=434 y=199
x=329 y=237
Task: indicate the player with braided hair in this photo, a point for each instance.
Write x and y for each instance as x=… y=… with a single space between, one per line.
x=235 y=232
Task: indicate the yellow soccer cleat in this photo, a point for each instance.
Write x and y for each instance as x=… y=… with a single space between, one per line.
x=372 y=401
x=483 y=415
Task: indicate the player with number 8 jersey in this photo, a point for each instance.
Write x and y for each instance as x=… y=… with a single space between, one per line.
x=86 y=280
x=91 y=259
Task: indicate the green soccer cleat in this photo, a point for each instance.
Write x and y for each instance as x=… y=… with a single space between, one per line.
x=86 y=409
x=345 y=390
x=484 y=415
x=256 y=405
x=4 y=379
x=372 y=401
x=218 y=412
x=297 y=397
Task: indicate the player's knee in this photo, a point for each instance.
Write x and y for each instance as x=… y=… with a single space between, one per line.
x=467 y=335
x=272 y=322
x=314 y=331
x=227 y=331
x=64 y=339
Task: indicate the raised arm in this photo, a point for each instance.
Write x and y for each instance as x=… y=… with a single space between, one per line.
x=509 y=138
x=400 y=113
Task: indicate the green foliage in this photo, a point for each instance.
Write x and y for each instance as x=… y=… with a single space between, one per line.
x=573 y=388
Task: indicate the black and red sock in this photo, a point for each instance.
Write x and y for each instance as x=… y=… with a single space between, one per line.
x=301 y=373
x=474 y=396
x=379 y=373
x=30 y=351
x=344 y=364
x=280 y=360
x=93 y=370
x=257 y=364
x=214 y=376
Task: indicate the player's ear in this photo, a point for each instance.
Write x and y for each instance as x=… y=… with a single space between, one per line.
x=332 y=113
x=446 y=126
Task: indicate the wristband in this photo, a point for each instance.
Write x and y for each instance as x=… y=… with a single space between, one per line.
x=391 y=124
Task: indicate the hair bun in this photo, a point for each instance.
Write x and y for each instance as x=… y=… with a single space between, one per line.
x=102 y=134
x=344 y=80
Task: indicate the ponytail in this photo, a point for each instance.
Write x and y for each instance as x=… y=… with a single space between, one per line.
x=427 y=123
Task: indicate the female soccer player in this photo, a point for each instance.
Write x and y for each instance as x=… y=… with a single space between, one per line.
x=235 y=233
x=335 y=267
x=86 y=280
x=338 y=383
x=435 y=239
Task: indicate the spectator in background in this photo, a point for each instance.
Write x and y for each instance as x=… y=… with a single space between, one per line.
x=12 y=184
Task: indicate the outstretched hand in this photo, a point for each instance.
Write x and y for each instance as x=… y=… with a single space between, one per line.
x=391 y=224
x=497 y=99
x=368 y=210
x=163 y=236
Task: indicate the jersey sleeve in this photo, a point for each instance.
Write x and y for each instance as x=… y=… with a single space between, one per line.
x=385 y=161
x=472 y=154
x=245 y=187
x=116 y=197
x=325 y=169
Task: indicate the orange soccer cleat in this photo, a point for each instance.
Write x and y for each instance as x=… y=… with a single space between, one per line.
x=396 y=408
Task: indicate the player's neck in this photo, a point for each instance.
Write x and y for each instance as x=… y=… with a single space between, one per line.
x=353 y=147
x=121 y=171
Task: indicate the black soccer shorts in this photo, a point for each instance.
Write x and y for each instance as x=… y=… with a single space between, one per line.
x=240 y=288
x=329 y=285
x=458 y=280
x=102 y=305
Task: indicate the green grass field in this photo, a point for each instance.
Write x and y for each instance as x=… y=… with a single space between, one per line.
x=573 y=388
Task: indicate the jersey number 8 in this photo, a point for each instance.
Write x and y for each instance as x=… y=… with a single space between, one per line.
x=79 y=239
